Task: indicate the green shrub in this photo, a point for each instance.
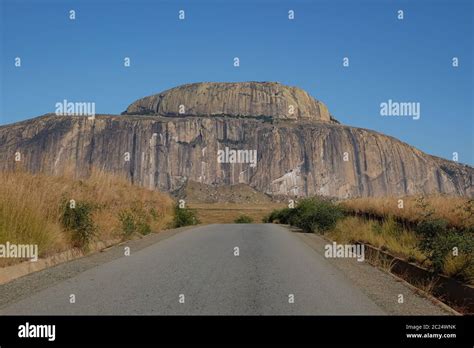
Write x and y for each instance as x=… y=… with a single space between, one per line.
x=143 y=227
x=438 y=241
x=154 y=214
x=243 y=219
x=285 y=215
x=78 y=220
x=128 y=223
x=135 y=220
x=310 y=214
x=184 y=217
x=431 y=232
x=315 y=215
x=281 y=216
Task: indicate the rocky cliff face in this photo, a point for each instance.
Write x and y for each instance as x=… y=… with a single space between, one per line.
x=305 y=154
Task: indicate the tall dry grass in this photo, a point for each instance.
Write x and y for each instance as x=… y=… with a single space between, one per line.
x=399 y=241
x=457 y=211
x=31 y=206
x=386 y=235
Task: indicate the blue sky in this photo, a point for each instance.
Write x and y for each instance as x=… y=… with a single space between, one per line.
x=408 y=60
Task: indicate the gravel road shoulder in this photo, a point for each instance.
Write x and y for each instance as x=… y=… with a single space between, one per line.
x=383 y=288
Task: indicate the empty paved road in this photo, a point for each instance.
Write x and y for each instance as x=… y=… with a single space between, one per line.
x=273 y=266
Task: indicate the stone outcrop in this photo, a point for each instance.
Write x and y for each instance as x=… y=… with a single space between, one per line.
x=158 y=148
x=243 y=99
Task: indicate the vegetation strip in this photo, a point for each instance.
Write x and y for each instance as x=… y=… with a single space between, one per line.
x=59 y=213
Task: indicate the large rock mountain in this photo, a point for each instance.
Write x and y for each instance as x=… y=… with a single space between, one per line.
x=243 y=99
x=165 y=140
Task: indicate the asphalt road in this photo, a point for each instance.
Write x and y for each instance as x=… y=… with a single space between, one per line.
x=199 y=265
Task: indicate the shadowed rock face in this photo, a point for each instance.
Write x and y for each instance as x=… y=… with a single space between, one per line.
x=303 y=156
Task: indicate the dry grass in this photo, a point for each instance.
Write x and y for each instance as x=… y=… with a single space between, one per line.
x=399 y=242
x=387 y=236
x=426 y=285
x=31 y=207
x=221 y=213
x=459 y=265
x=381 y=262
x=457 y=211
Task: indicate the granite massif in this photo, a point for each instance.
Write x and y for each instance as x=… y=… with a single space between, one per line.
x=165 y=140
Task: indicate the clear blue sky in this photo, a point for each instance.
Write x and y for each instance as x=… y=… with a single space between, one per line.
x=407 y=60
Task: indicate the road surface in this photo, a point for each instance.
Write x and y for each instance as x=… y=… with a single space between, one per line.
x=201 y=271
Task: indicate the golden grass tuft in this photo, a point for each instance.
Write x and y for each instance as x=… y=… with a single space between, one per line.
x=462 y=264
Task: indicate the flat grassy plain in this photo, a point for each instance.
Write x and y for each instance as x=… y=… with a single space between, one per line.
x=223 y=213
